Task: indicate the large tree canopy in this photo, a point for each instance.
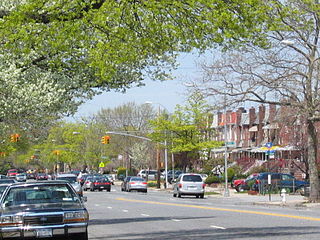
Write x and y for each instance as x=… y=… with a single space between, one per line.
x=66 y=51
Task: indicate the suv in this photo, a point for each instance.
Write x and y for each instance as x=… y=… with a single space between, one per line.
x=50 y=209
x=278 y=181
x=189 y=184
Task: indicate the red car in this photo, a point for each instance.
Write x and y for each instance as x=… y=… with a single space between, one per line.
x=12 y=173
x=236 y=183
x=42 y=176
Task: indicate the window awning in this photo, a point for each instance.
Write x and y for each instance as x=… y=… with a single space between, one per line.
x=253 y=129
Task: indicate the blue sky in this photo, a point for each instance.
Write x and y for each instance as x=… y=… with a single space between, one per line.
x=168 y=93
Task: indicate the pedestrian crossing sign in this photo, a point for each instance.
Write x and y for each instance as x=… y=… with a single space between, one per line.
x=101 y=164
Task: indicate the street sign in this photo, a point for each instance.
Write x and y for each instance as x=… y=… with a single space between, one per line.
x=269 y=145
x=101 y=164
x=231 y=144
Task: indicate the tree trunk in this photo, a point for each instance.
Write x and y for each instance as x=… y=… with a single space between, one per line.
x=313 y=166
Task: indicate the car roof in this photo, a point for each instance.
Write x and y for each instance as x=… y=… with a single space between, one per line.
x=66 y=175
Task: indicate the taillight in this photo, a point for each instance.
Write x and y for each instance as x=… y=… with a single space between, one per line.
x=180 y=185
x=144 y=183
x=257 y=181
x=95 y=183
x=107 y=183
x=86 y=182
x=203 y=185
x=132 y=183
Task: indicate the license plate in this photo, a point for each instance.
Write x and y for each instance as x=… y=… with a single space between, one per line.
x=192 y=187
x=101 y=187
x=40 y=233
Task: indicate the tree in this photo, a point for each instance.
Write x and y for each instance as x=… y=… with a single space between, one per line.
x=286 y=73
x=56 y=54
x=187 y=130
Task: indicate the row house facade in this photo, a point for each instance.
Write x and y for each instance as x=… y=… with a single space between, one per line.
x=263 y=134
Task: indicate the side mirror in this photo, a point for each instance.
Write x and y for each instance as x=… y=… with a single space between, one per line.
x=84 y=198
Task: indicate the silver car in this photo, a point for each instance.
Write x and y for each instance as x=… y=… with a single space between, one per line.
x=72 y=179
x=138 y=184
x=189 y=184
x=21 y=177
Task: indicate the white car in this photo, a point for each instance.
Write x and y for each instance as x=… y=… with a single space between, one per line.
x=151 y=174
x=72 y=179
x=189 y=184
x=21 y=177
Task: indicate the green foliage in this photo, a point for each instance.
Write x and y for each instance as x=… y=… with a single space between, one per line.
x=213 y=179
x=121 y=171
x=152 y=183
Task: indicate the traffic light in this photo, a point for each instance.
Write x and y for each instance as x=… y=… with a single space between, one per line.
x=17 y=137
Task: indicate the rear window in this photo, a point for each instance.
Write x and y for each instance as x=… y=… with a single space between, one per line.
x=192 y=178
x=137 y=179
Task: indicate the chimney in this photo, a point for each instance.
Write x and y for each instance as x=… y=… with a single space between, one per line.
x=272 y=112
x=252 y=116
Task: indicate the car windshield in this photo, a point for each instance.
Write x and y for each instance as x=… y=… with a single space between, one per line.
x=68 y=179
x=137 y=179
x=42 y=194
x=2 y=188
x=192 y=178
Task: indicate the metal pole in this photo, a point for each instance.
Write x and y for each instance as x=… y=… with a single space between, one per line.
x=226 y=190
x=158 y=157
x=166 y=163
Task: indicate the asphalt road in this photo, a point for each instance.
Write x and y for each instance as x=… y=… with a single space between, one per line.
x=158 y=215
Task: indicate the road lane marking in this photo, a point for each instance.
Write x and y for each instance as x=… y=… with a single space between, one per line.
x=109 y=207
x=124 y=210
x=217 y=227
x=97 y=205
x=222 y=209
x=176 y=220
x=145 y=215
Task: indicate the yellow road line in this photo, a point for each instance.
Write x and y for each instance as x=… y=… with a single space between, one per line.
x=221 y=209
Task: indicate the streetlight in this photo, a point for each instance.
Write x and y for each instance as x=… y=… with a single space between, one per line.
x=158 y=153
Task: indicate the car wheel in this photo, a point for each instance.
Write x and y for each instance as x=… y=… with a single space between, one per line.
x=108 y=190
x=174 y=195
x=197 y=196
x=202 y=195
x=179 y=195
x=84 y=189
x=145 y=191
x=100 y=190
x=91 y=189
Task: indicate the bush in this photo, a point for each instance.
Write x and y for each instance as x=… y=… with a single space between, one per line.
x=213 y=179
x=152 y=183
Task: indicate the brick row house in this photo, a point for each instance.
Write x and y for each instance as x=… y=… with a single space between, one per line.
x=268 y=136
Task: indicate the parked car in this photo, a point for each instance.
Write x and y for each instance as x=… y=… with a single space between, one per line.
x=12 y=173
x=189 y=184
x=3 y=187
x=7 y=181
x=72 y=179
x=21 y=177
x=239 y=184
x=86 y=185
x=138 y=184
x=110 y=177
x=152 y=174
x=100 y=183
x=49 y=210
x=173 y=175
x=278 y=181
x=124 y=183
x=31 y=176
x=42 y=176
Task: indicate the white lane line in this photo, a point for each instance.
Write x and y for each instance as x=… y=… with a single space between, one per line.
x=217 y=227
x=109 y=207
x=124 y=210
x=176 y=220
x=145 y=215
x=97 y=205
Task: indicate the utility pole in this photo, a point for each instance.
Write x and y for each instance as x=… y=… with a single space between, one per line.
x=158 y=157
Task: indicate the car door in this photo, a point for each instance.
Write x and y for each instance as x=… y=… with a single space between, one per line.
x=287 y=181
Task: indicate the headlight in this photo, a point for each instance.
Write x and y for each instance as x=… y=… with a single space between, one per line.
x=76 y=216
x=11 y=219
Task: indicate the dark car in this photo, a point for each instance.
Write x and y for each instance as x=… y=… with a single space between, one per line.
x=31 y=176
x=50 y=210
x=7 y=181
x=42 y=176
x=173 y=175
x=100 y=183
x=278 y=181
x=124 y=183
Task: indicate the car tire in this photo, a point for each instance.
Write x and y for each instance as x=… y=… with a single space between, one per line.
x=100 y=190
x=108 y=190
x=179 y=195
x=91 y=189
x=174 y=195
x=84 y=189
x=197 y=196
x=145 y=191
x=202 y=195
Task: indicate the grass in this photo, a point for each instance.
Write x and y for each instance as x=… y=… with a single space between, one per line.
x=211 y=193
